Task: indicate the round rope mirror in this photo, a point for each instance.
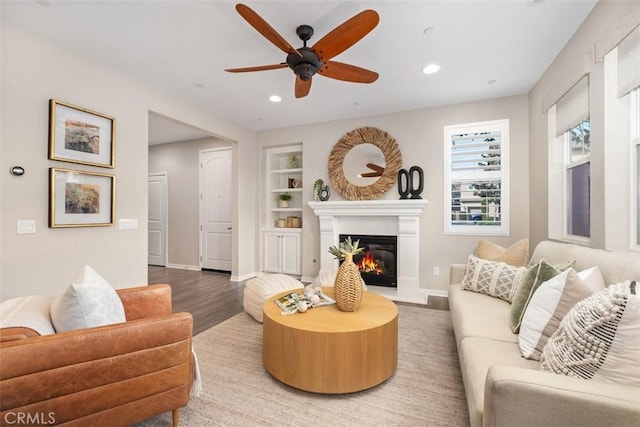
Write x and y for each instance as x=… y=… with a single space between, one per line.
x=387 y=174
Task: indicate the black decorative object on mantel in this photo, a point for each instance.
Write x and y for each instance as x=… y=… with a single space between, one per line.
x=403 y=184
x=325 y=193
x=406 y=183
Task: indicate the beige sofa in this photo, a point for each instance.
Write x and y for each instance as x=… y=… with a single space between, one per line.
x=504 y=389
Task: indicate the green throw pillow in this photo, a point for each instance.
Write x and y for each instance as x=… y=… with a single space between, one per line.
x=535 y=276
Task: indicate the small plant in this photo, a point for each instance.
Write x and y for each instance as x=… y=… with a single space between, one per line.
x=317 y=189
x=346 y=247
x=284 y=197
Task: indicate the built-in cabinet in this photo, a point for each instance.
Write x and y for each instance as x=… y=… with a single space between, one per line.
x=282 y=220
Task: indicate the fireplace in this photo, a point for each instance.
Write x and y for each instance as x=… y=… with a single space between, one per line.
x=377 y=263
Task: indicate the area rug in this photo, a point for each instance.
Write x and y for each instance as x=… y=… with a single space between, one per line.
x=426 y=389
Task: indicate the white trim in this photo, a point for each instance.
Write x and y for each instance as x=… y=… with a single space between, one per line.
x=185 y=267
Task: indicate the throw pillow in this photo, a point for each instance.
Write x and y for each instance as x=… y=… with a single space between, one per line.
x=90 y=301
x=598 y=338
x=496 y=279
x=536 y=275
x=550 y=303
x=28 y=312
x=516 y=254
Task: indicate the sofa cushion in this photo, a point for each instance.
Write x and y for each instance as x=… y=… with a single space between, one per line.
x=29 y=312
x=478 y=315
x=536 y=275
x=550 y=303
x=516 y=254
x=89 y=301
x=598 y=338
x=496 y=279
x=477 y=355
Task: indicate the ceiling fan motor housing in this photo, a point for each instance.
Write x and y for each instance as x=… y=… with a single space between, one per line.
x=304 y=66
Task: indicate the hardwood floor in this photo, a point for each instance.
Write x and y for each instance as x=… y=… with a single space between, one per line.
x=209 y=296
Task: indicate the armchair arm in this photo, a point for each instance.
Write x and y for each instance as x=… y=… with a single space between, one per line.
x=81 y=374
x=146 y=301
x=524 y=397
x=456 y=273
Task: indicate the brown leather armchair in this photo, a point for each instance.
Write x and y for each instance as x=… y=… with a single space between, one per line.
x=112 y=375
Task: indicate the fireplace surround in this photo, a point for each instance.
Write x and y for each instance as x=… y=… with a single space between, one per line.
x=400 y=218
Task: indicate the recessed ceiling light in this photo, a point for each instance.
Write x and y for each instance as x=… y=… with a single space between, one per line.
x=428 y=31
x=199 y=85
x=431 y=68
x=491 y=82
x=275 y=98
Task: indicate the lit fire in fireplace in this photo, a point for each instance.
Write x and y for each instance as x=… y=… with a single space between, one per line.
x=368 y=264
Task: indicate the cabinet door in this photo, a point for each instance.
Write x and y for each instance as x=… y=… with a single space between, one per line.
x=290 y=253
x=271 y=252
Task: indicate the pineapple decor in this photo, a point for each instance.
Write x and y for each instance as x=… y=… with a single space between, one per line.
x=348 y=282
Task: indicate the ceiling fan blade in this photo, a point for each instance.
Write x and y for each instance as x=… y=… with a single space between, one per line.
x=346 y=34
x=375 y=167
x=302 y=87
x=370 y=174
x=265 y=29
x=258 y=68
x=346 y=72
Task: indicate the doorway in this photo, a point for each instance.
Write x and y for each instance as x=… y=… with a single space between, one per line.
x=216 y=209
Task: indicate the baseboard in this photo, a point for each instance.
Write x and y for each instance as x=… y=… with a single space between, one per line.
x=184 y=267
x=243 y=278
x=437 y=293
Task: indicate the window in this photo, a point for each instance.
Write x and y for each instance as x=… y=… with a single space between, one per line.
x=578 y=180
x=476 y=187
x=635 y=150
x=570 y=165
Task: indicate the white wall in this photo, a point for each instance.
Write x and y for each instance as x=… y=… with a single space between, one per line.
x=420 y=137
x=33 y=70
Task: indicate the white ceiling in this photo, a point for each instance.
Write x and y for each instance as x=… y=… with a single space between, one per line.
x=177 y=45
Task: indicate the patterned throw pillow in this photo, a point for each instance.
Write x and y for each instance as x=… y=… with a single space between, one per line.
x=598 y=338
x=496 y=279
x=536 y=275
x=90 y=301
x=550 y=304
x=516 y=254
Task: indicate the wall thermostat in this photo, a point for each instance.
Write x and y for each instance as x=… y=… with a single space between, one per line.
x=17 y=171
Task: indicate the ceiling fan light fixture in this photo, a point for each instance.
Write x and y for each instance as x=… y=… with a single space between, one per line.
x=431 y=69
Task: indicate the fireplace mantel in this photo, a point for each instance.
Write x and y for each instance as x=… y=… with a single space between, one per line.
x=395 y=217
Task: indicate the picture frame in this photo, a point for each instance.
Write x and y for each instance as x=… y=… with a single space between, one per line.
x=78 y=135
x=80 y=198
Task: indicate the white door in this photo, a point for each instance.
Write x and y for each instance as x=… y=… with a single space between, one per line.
x=157 y=222
x=215 y=209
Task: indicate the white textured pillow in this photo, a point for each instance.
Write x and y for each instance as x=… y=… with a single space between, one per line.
x=550 y=303
x=90 y=301
x=598 y=338
x=496 y=279
x=28 y=312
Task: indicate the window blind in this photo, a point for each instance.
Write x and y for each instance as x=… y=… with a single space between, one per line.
x=573 y=107
x=476 y=152
x=629 y=63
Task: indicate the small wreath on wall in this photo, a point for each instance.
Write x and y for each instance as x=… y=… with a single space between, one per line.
x=365 y=135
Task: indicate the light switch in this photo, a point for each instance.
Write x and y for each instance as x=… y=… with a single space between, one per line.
x=128 y=224
x=26 y=226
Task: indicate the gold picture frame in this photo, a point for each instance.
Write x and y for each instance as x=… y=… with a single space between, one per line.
x=78 y=135
x=80 y=198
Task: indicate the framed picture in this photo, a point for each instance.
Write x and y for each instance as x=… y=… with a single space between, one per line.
x=80 y=198
x=78 y=135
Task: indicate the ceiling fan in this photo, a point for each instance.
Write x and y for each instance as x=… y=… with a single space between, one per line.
x=307 y=61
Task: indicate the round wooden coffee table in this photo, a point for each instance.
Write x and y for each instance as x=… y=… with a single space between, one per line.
x=325 y=350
